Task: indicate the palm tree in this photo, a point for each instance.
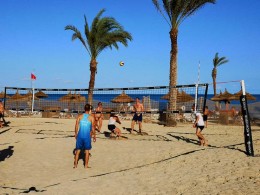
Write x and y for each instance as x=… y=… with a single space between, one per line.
x=216 y=63
x=176 y=11
x=105 y=32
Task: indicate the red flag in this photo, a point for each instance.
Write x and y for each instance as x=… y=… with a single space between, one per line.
x=33 y=77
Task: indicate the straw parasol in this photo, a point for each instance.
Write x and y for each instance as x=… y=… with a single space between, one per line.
x=41 y=94
x=216 y=97
x=2 y=95
x=237 y=95
x=28 y=97
x=225 y=97
x=122 y=98
x=16 y=98
x=181 y=97
x=66 y=97
x=73 y=98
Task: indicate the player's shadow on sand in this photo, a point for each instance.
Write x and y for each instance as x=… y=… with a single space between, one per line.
x=107 y=134
x=188 y=140
x=81 y=155
x=6 y=153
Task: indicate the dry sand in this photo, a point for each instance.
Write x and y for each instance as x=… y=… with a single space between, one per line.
x=36 y=157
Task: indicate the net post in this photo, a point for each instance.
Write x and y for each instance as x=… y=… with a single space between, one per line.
x=246 y=119
x=205 y=97
x=4 y=101
x=196 y=96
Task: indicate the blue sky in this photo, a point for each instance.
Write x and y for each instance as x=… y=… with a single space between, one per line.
x=33 y=39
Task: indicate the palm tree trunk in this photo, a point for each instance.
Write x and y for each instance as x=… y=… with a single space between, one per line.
x=93 y=70
x=173 y=77
x=214 y=77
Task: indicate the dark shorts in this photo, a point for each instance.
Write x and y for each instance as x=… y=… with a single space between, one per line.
x=200 y=127
x=83 y=144
x=138 y=118
x=205 y=117
x=111 y=127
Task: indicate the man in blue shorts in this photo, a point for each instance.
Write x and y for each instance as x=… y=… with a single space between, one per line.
x=138 y=117
x=84 y=131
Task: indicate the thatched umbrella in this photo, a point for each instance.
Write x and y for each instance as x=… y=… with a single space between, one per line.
x=28 y=97
x=181 y=97
x=2 y=95
x=16 y=98
x=216 y=97
x=237 y=95
x=66 y=98
x=77 y=99
x=122 y=98
x=225 y=97
x=72 y=98
x=41 y=94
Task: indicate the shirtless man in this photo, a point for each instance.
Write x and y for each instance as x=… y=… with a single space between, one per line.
x=138 y=117
x=99 y=117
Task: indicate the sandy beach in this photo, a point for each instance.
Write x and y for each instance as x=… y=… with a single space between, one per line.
x=37 y=157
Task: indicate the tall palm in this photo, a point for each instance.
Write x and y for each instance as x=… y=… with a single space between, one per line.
x=217 y=61
x=176 y=12
x=105 y=32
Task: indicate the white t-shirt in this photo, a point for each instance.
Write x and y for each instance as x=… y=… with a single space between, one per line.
x=200 y=121
x=111 y=121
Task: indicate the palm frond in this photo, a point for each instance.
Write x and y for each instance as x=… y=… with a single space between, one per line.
x=219 y=61
x=179 y=10
x=76 y=35
x=158 y=7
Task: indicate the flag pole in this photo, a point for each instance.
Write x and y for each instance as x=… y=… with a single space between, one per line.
x=32 y=97
x=197 y=85
x=32 y=80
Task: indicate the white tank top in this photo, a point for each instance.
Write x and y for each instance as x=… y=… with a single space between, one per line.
x=200 y=121
x=111 y=121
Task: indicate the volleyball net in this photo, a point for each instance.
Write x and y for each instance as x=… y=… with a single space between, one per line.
x=70 y=102
x=121 y=100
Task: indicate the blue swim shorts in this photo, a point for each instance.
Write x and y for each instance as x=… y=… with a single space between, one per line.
x=83 y=144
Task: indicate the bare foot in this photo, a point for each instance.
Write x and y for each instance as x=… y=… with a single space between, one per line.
x=205 y=143
x=87 y=167
x=75 y=166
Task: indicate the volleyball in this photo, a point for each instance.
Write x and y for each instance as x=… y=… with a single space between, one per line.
x=121 y=63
